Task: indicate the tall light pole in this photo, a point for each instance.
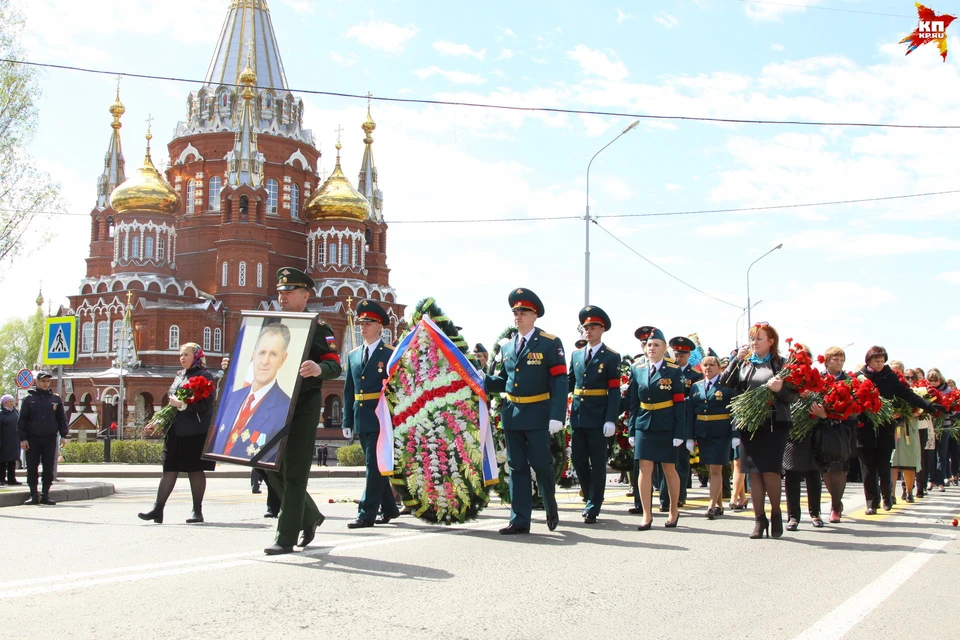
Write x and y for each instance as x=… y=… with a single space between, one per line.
x=737 y=326
x=749 y=320
x=586 y=255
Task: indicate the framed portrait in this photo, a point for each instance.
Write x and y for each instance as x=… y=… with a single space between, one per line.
x=259 y=391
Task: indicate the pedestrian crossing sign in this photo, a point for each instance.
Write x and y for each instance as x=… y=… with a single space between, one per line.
x=60 y=340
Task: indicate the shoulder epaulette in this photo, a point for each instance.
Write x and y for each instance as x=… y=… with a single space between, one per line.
x=355 y=350
x=616 y=353
x=672 y=366
x=388 y=346
x=548 y=336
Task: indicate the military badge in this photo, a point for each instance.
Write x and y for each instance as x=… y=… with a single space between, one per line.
x=252 y=450
x=600 y=368
x=718 y=395
x=666 y=384
x=285 y=272
x=245 y=435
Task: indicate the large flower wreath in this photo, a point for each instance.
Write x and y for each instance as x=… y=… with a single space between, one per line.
x=619 y=451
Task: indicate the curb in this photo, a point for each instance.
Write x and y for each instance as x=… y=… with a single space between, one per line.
x=236 y=472
x=79 y=491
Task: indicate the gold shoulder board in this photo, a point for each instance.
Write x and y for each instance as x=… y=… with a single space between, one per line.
x=388 y=346
x=548 y=336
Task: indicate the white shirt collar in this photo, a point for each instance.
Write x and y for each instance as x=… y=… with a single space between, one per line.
x=593 y=350
x=257 y=396
x=713 y=381
x=371 y=347
x=656 y=365
x=526 y=337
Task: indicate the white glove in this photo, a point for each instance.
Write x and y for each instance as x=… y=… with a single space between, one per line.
x=735 y=443
x=555 y=426
x=608 y=429
x=690 y=446
x=677 y=442
x=632 y=441
x=347 y=433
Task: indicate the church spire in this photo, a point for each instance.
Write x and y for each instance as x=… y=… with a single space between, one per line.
x=245 y=162
x=247 y=20
x=367 y=184
x=113 y=173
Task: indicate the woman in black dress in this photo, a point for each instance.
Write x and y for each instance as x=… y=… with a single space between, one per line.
x=761 y=454
x=799 y=465
x=835 y=475
x=184 y=441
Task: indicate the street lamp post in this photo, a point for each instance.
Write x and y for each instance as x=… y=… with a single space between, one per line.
x=737 y=326
x=749 y=319
x=586 y=255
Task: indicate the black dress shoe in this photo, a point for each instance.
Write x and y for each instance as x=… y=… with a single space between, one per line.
x=270 y=514
x=590 y=519
x=257 y=490
x=13 y=482
x=513 y=529
x=195 y=516
x=887 y=505
x=310 y=532
x=645 y=527
x=359 y=524
x=583 y=514
x=664 y=509
x=155 y=514
x=33 y=500
x=553 y=521
x=635 y=510
x=277 y=549
x=45 y=499
x=383 y=519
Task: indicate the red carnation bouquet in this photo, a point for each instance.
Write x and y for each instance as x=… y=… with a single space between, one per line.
x=192 y=391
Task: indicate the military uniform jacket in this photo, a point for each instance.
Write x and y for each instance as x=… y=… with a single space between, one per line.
x=362 y=389
x=690 y=376
x=665 y=386
x=535 y=381
x=715 y=405
x=323 y=352
x=595 y=388
x=41 y=414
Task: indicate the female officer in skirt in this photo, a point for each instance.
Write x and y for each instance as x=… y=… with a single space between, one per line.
x=709 y=418
x=657 y=423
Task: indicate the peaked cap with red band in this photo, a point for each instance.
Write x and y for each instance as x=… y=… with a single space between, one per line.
x=682 y=345
x=643 y=333
x=594 y=315
x=370 y=311
x=526 y=299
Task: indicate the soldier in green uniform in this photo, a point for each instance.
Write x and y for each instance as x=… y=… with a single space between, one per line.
x=298 y=511
x=534 y=378
x=366 y=371
x=657 y=422
x=682 y=348
x=641 y=334
x=594 y=380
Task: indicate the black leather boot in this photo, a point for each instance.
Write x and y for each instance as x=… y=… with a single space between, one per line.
x=196 y=515
x=761 y=527
x=155 y=514
x=45 y=498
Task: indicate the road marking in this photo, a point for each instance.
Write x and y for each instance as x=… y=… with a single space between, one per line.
x=838 y=622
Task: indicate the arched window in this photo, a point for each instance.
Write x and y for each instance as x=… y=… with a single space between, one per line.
x=321 y=253
x=213 y=191
x=225 y=270
x=335 y=410
x=161 y=247
x=191 y=192
x=272 y=188
x=294 y=200
x=87 y=344
x=148 y=247
x=174 y=337
x=345 y=256
x=387 y=336
x=223 y=99
x=117 y=331
x=259 y=274
x=332 y=253
x=206 y=338
x=103 y=336
x=217 y=340
x=242 y=277
x=244 y=205
x=135 y=247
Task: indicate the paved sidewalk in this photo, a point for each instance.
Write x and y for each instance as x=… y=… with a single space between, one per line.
x=110 y=470
x=60 y=492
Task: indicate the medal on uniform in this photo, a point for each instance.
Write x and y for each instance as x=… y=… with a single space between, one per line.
x=600 y=368
x=379 y=367
x=718 y=395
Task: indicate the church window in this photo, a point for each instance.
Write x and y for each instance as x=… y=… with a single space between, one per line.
x=87 y=343
x=259 y=274
x=191 y=192
x=214 y=193
x=242 y=278
x=217 y=340
x=135 y=247
x=387 y=336
x=224 y=99
x=225 y=271
x=161 y=245
x=206 y=338
x=272 y=188
x=294 y=200
x=103 y=336
x=117 y=331
x=174 y=336
x=332 y=253
x=322 y=253
x=109 y=226
x=335 y=410
x=148 y=248
x=345 y=257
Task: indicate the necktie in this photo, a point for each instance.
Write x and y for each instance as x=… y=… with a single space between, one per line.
x=366 y=356
x=242 y=418
x=707 y=392
x=586 y=363
x=653 y=369
x=523 y=343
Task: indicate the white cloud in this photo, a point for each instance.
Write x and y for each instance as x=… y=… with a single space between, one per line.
x=621 y=16
x=458 y=50
x=348 y=61
x=505 y=54
x=953 y=277
x=303 y=7
x=614 y=188
x=595 y=125
x=671 y=186
x=381 y=35
x=666 y=20
x=723 y=230
x=459 y=77
x=952 y=323
x=770 y=11
x=606 y=65
x=777 y=47
x=507 y=31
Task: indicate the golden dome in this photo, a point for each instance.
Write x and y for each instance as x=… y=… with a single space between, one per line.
x=117 y=109
x=337 y=198
x=369 y=125
x=146 y=190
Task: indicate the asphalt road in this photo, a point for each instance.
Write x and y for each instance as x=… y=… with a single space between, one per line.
x=91 y=569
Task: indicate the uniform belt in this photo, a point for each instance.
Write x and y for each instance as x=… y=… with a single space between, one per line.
x=528 y=399
x=589 y=392
x=366 y=396
x=716 y=416
x=656 y=405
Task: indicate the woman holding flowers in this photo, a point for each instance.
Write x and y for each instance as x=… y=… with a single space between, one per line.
x=948 y=450
x=799 y=465
x=761 y=453
x=835 y=475
x=907 y=452
x=184 y=438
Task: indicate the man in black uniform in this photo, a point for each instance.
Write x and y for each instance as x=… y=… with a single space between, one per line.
x=41 y=418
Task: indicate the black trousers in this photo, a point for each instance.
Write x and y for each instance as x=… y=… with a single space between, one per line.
x=875 y=467
x=792 y=482
x=9 y=471
x=943 y=461
x=924 y=464
x=273 y=496
x=42 y=449
x=588 y=451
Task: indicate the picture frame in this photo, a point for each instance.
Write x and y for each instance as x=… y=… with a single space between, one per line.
x=259 y=390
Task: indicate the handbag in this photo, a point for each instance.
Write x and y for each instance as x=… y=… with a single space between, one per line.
x=831 y=442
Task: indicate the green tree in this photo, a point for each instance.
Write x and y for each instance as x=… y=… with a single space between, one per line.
x=19 y=347
x=25 y=191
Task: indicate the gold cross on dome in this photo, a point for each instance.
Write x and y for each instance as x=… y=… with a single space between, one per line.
x=369 y=95
x=338 y=131
x=349 y=301
x=149 y=123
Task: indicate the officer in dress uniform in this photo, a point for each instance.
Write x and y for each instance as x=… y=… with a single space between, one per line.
x=366 y=371
x=641 y=334
x=298 y=511
x=657 y=422
x=594 y=380
x=534 y=378
x=682 y=348
x=483 y=357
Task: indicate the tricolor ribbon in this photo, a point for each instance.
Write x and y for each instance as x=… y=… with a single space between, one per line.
x=458 y=363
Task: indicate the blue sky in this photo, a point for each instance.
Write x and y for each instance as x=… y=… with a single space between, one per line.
x=882 y=273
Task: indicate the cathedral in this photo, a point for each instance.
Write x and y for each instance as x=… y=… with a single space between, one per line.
x=175 y=258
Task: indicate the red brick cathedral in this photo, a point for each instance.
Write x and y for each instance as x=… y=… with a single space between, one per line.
x=175 y=259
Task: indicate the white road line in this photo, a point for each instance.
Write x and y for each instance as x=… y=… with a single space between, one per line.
x=86 y=579
x=841 y=620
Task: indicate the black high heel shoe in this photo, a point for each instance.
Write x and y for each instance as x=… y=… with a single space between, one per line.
x=776 y=525
x=155 y=514
x=762 y=526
